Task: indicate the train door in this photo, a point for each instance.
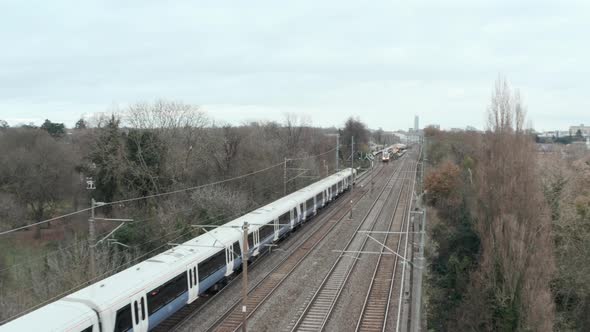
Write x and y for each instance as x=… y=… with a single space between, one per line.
x=277 y=228
x=298 y=216
x=229 y=259
x=139 y=313
x=192 y=274
x=304 y=211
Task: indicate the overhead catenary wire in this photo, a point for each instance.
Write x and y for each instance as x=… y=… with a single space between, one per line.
x=160 y=194
x=313 y=156
x=99 y=277
x=214 y=219
x=109 y=272
x=140 y=198
x=151 y=251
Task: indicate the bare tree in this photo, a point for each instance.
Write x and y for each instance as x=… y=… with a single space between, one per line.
x=354 y=127
x=182 y=129
x=12 y=212
x=517 y=262
x=225 y=148
x=294 y=129
x=36 y=169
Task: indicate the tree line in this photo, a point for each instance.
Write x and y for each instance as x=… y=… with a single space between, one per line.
x=150 y=149
x=493 y=241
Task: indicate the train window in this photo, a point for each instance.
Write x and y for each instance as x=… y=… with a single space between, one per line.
x=190 y=278
x=251 y=240
x=237 y=249
x=142 y=309
x=123 y=319
x=136 y=312
x=159 y=297
x=284 y=219
x=211 y=265
x=309 y=204
x=266 y=231
x=195 y=275
x=333 y=189
x=296 y=210
x=318 y=198
x=88 y=329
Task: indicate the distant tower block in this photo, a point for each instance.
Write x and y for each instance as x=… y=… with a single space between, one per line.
x=416 y=123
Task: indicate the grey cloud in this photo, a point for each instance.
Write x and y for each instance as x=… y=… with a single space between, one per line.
x=382 y=60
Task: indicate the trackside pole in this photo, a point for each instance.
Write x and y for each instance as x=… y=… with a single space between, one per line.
x=285 y=177
x=351 y=171
x=245 y=277
x=337 y=149
x=92 y=238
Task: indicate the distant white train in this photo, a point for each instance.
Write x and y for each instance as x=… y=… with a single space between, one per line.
x=142 y=296
x=385 y=156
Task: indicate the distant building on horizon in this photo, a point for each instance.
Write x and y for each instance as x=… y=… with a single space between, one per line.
x=416 y=123
x=585 y=130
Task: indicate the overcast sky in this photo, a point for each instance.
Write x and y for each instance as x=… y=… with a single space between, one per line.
x=383 y=61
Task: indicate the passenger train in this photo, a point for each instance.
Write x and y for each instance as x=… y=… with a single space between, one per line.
x=142 y=296
x=385 y=156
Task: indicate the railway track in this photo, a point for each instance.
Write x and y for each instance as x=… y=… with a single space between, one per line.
x=375 y=311
x=335 y=213
x=399 y=286
x=318 y=310
x=232 y=320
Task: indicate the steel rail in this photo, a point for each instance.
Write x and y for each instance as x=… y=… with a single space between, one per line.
x=401 y=292
x=375 y=309
x=333 y=209
x=320 y=307
x=231 y=320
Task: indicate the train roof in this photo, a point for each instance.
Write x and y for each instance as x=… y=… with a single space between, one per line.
x=118 y=287
x=56 y=316
x=276 y=208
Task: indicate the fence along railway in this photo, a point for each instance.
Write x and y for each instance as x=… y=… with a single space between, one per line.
x=318 y=310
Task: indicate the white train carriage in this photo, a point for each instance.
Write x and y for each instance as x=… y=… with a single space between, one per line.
x=277 y=219
x=385 y=156
x=57 y=317
x=142 y=296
